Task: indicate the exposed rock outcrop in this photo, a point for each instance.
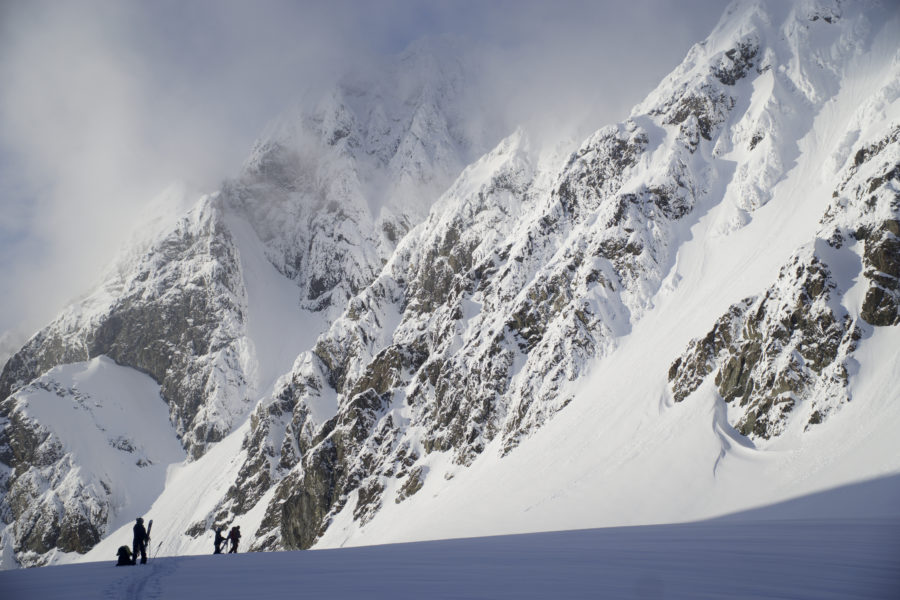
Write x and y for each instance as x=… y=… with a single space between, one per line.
x=786 y=355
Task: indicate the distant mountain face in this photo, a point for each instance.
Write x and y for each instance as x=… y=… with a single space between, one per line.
x=452 y=326
x=524 y=274
x=328 y=190
x=334 y=184
x=175 y=313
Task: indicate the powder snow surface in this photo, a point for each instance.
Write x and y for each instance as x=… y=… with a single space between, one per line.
x=772 y=553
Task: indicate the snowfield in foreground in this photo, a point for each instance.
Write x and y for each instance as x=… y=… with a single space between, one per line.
x=775 y=552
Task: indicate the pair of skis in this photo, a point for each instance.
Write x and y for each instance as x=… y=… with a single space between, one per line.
x=149 y=548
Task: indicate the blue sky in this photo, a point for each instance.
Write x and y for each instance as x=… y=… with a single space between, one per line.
x=105 y=103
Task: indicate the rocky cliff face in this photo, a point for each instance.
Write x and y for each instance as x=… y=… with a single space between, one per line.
x=771 y=355
x=328 y=190
x=176 y=314
x=81 y=445
x=786 y=355
x=523 y=274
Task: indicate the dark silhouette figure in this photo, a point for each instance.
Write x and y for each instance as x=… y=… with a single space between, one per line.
x=235 y=536
x=140 y=542
x=220 y=539
x=124 y=555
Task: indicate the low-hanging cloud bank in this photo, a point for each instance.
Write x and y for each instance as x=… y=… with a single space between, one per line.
x=104 y=103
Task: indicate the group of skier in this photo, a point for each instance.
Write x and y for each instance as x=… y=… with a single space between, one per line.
x=128 y=556
x=234 y=536
x=139 y=545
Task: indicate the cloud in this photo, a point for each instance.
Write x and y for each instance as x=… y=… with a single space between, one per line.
x=105 y=103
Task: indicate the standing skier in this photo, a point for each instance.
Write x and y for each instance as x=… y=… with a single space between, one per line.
x=235 y=536
x=220 y=539
x=140 y=542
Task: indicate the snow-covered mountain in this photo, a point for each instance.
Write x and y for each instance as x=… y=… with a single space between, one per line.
x=690 y=313
x=334 y=184
x=215 y=306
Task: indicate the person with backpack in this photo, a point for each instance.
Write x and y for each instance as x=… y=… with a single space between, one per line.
x=139 y=543
x=220 y=539
x=124 y=555
x=234 y=536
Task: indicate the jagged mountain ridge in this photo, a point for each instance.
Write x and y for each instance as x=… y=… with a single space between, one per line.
x=480 y=324
x=488 y=315
x=175 y=313
x=371 y=155
x=327 y=192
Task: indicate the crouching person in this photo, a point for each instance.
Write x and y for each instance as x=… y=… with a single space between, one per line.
x=124 y=555
x=219 y=540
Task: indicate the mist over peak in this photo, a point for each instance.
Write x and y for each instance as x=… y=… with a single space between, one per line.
x=103 y=104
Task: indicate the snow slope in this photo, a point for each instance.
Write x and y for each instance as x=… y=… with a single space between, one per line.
x=277 y=328
x=774 y=553
x=622 y=452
